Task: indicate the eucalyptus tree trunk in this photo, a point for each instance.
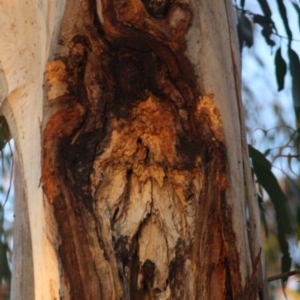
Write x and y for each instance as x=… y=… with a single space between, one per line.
x=133 y=178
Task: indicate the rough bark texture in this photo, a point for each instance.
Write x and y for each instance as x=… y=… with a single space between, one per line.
x=134 y=160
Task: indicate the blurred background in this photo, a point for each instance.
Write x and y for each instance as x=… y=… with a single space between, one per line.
x=270 y=48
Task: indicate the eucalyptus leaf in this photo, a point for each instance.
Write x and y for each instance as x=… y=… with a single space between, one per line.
x=295 y=189
x=289 y=159
x=262 y=214
x=295 y=72
x=267 y=152
x=4 y=133
x=245 y=31
x=265 y=8
x=297 y=8
x=286 y=260
x=4 y=267
x=267 y=25
x=280 y=68
x=266 y=178
x=282 y=11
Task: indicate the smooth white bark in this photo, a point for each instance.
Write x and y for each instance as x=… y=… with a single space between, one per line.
x=27 y=29
x=222 y=78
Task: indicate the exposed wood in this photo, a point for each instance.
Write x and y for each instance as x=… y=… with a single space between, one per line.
x=135 y=163
x=142 y=166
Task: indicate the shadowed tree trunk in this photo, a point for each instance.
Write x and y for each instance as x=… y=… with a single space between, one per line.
x=133 y=168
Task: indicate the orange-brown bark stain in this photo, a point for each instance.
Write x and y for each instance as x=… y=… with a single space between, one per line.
x=129 y=105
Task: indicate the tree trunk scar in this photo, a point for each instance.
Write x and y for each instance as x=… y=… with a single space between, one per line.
x=134 y=161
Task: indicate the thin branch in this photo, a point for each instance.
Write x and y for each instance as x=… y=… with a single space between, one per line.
x=283 y=172
x=283 y=275
x=288 y=155
x=283 y=147
x=266 y=131
x=285 y=37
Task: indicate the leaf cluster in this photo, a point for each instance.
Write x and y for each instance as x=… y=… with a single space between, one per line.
x=245 y=22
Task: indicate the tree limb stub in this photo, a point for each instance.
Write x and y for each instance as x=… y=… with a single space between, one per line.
x=134 y=160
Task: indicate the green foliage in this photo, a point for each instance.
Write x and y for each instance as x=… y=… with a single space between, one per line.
x=265 y=8
x=295 y=72
x=245 y=34
x=266 y=178
x=280 y=67
x=282 y=10
x=286 y=61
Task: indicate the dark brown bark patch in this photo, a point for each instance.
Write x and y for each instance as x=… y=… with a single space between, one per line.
x=134 y=159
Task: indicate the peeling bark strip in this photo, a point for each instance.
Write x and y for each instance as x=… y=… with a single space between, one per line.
x=134 y=160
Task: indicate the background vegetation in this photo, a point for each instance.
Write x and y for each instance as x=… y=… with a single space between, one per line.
x=270 y=47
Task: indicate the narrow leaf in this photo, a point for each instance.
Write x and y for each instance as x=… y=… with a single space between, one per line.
x=4 y=268
x=267 y=152
x=286 y=260
x=266 y=32
x=262 y=214
x=266 y=178
x=245 y=32
x=267 y=25
x=280 y=68
x=283 y=14
x=265 y=8
x=295 y=72
x=4 y=133
x=261 y=20
x=289 y=159
x=297 y=8
x=295 y=190
x=286 y=263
